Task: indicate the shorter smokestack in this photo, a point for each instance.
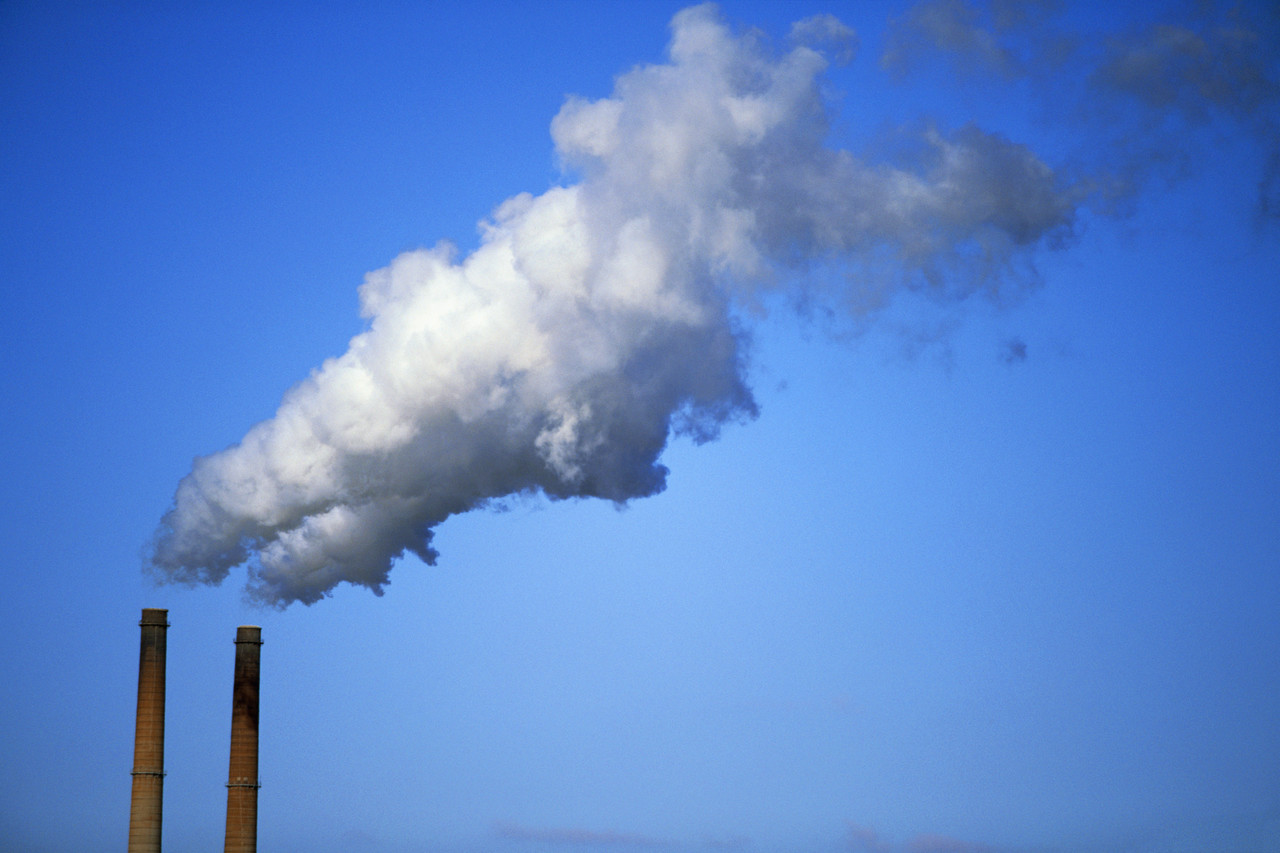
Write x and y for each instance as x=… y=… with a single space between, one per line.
x=148 y=737
x=242 y=782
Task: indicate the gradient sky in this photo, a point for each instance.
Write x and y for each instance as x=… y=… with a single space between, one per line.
x=998 y=572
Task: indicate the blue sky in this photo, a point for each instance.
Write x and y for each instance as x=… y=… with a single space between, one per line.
x=995 y=567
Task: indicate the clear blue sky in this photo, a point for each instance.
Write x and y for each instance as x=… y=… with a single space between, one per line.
x=996 y=566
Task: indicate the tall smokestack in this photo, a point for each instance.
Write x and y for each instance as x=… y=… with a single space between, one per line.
x=148 y=739
x=242 y=782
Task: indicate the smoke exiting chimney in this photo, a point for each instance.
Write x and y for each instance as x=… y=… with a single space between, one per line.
x=242 y=782
x=148 y=740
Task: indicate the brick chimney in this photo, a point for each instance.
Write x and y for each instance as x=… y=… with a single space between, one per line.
x=148 y=739
x=242 y=781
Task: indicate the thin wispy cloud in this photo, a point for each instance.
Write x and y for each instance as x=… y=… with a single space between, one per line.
x=729 y=842
x=930 y=843
x=864 y=839
x=578 y=836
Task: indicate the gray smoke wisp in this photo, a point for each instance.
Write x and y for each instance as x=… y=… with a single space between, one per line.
x=598 y=319
x=1136 y=98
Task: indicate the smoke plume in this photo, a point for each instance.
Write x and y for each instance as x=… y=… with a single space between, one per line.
x=1137 y=98
x=598 y=319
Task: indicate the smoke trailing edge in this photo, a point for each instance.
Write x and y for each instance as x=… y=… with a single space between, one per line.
x=596 y=320
x=1137 y=99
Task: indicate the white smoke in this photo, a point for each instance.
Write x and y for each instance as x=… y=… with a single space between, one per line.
x=596 y=320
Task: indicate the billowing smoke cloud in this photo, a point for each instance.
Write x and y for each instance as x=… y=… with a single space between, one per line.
x=596 y=320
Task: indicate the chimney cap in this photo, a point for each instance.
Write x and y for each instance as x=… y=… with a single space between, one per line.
x=249 y=634
x=155 y=616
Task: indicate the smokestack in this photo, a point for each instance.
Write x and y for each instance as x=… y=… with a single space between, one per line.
x=242 y=782
x=148 y=738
